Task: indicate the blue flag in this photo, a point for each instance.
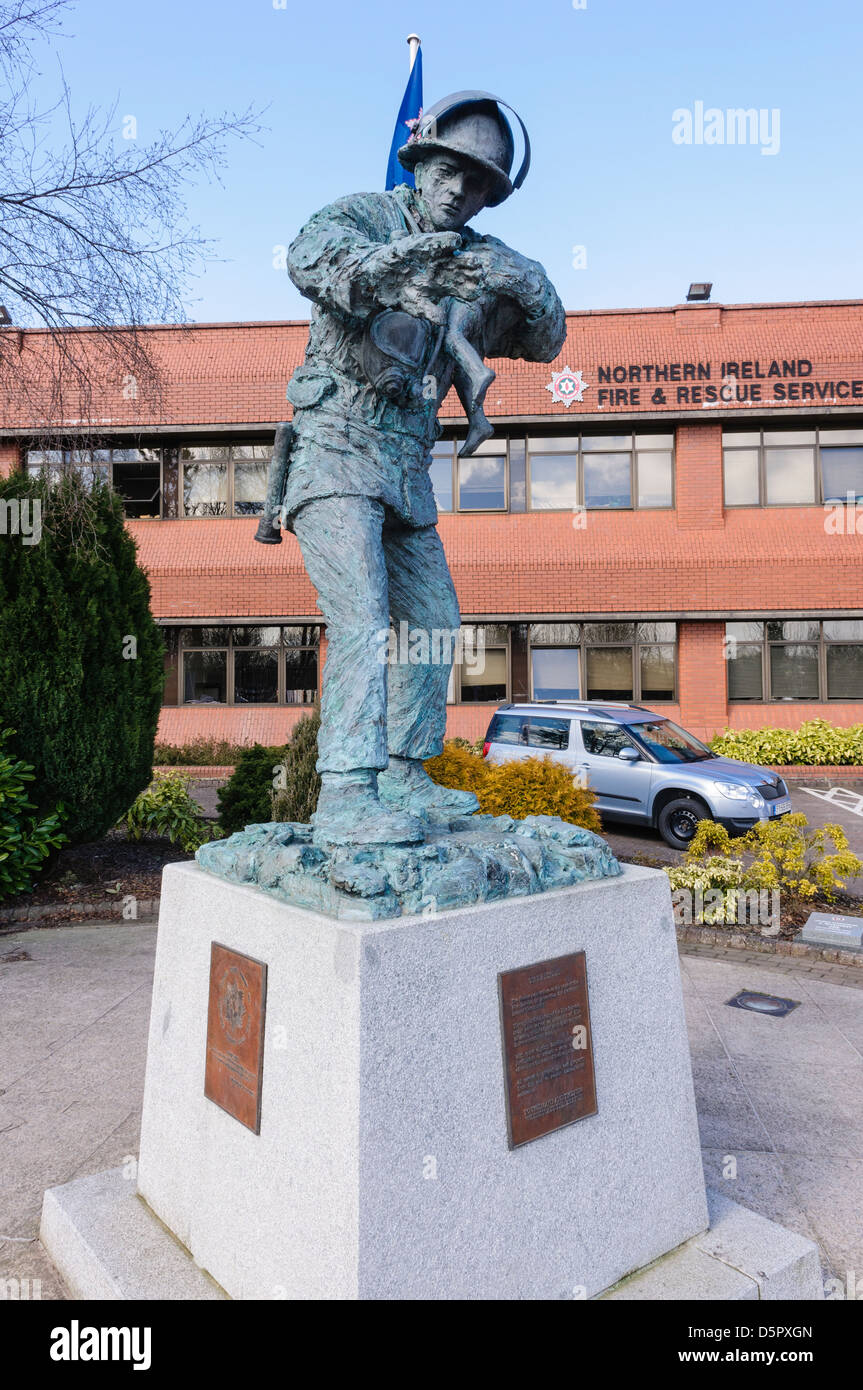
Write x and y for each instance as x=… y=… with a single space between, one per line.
x=408 y=111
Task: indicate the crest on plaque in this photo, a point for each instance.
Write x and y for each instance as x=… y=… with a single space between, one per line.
x=233 y=1005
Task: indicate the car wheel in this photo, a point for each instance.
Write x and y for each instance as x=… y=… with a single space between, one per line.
x=679 y=819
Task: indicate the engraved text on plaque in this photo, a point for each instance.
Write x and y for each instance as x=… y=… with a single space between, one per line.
x=547 y=1047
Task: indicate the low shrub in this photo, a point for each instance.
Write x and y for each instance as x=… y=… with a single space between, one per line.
x=458 y=742
x=522 y=787
x=785 y=854
x=26 y=840
x=198 y=752
x=274 y=783
x=247 y=796
x=457 y=766
x=168 y=810
x=816 y=743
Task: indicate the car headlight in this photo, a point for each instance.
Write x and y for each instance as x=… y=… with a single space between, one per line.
x=735 y=791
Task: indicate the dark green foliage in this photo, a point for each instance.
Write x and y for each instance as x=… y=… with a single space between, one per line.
x=85 y=715
x=274 y=783
x=297 y=800
x=247 y=797
x=25 y=840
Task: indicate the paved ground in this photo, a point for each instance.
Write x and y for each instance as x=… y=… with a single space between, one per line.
x=780 y=1100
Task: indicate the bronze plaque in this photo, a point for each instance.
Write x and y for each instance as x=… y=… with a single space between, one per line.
x=547 y=1047
x=235 y=1035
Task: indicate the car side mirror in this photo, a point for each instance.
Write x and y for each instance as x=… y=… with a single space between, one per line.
x=630 y=755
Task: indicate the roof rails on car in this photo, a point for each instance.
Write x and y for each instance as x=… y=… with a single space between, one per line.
x=603 y=704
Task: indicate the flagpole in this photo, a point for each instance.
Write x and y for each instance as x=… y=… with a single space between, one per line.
x=414 y=42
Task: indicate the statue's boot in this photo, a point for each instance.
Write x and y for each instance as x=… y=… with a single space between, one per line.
x=406 y=784
x=349 y=813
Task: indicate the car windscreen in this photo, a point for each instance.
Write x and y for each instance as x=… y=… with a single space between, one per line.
x=668 y=743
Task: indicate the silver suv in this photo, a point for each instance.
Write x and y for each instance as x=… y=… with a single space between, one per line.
x=644 y=769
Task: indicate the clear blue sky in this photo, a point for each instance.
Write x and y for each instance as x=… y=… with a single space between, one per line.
x=597 y=88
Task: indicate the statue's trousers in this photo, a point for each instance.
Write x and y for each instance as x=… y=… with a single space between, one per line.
x=379 y=697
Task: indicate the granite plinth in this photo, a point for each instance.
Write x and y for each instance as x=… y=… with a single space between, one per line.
x=463 y=861
x=382 y=1168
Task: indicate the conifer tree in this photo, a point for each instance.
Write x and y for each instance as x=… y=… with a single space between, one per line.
x=81 y=657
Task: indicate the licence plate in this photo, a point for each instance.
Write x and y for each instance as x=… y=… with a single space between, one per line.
x=780 y=807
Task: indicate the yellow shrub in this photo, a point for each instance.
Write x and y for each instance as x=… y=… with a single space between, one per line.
x=458 y=767
x=787 y=854
x=523 y=787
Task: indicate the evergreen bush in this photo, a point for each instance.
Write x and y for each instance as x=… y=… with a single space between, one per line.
x=81 y=658
x=298 y=787
x=247 y=796
x=274 y=783
x=815 y=744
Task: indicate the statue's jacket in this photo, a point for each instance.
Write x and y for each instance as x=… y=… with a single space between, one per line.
x=348 y=439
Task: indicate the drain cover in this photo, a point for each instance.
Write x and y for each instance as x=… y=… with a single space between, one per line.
x=756 y=1003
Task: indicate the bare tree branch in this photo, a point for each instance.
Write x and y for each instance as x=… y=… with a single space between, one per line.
x=94 y=233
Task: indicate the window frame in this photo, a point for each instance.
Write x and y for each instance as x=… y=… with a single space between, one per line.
x=821 y=642
x=817 y=446
x=531 y=442
x=111 y=449
x=522 y=441
x=495 y=646
x=635 y=643
x=281 y=647
x=229 y=463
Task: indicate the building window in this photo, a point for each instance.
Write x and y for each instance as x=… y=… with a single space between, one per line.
x=555 y=661
x=792 y=468
x=785 y=660
x=600 y=472
x=134 y=474
x=481 y=676
x=249 y=665
x=603 y=661
x=475 y=484
x=224 y=479
x=555 y=473
x=441 y=474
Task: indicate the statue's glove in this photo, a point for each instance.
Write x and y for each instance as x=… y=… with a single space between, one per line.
x=414 y=273
x=507 y=274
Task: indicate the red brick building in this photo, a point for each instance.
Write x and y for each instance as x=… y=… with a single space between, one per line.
x=680 y=522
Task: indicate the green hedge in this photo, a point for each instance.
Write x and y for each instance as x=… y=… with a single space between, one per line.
x=815 y=744
x=198 y=752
